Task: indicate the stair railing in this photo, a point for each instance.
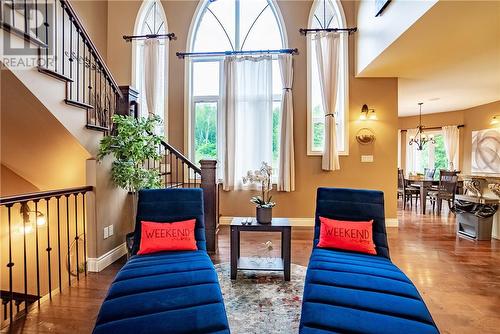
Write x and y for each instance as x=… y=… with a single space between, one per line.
x=44 y=247
x=66 y=52
x=177 y=171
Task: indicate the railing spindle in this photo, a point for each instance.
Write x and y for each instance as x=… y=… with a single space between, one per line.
x=25 y=17
x=55 y=38
x=25 y=263
x=67 y=239
x=37 y=255
x=10 y=264
x=84 y=234
x=59 y=241
x=83 y=76
x=76 y=237
x=71 y=57
x=63 y=60
x=77 y=65
x=36 y=19
x=49 y=249
x=47 y=38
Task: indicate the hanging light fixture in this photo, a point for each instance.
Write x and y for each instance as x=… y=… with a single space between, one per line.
x=420 y=139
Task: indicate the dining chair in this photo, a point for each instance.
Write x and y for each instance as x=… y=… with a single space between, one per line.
x=446 y=190
x=405 y=190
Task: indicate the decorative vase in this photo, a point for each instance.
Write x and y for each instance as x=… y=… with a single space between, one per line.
x=264 y=215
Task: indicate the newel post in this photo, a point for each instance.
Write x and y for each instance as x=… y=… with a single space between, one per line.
x=209 y=186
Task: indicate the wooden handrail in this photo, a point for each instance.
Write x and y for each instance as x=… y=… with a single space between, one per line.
x=181 y=156
x=74 y=17
x=43 y=194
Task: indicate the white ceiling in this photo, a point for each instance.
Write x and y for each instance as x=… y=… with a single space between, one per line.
x=449 y=59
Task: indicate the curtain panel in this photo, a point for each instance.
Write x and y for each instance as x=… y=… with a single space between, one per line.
x=286 y=172
x=412 y=154
x=327 y=55
x=247 y=117
x=152 y=75
x=451 y=138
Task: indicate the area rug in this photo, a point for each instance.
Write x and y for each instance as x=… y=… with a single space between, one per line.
x=262 y=302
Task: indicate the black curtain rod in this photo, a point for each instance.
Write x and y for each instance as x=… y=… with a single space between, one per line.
x=434 y=128
x=348 y=30
x=170 y=36
x=230 y=53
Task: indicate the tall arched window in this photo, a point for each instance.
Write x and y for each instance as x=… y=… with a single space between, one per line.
x=151 y=20
x=227 y=25
x=327 y=14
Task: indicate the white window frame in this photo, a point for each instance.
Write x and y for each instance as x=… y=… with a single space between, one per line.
x=345 y=78
x=137 y=47
x=190 y=99
x=204 y=98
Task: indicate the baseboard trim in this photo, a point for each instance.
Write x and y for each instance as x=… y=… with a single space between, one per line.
x=307 y=222
x=391 y=222
x=96 y=265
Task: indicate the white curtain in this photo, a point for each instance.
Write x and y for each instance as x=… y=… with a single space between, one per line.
x=399 y=148
x=247 y=112
x=412 y=154
x=152 y=75
x=327 y=54
x=451 y=136
x=286 y=176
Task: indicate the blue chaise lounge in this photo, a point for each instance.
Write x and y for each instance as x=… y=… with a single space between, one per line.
x=347 y=292
x=167 y=292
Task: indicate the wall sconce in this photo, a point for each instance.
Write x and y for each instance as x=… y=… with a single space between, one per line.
x=25 y=214
x=495 y=120
x=367 y=114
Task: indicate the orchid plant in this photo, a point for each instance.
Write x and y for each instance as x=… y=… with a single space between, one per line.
x=262 y=176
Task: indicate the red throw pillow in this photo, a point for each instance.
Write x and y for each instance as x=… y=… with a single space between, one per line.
x=347 y=235
x=175 y=236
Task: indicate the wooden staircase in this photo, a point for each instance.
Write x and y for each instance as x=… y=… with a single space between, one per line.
x=65 y=52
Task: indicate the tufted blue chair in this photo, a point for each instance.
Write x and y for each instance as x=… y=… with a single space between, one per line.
x=349 y=292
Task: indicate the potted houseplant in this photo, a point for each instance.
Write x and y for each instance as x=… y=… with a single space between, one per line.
x=133 y=142
x=263 y=177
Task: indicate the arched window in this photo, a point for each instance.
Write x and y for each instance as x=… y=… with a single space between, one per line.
x=227 y=25
x=327 y=14
x=151 y=20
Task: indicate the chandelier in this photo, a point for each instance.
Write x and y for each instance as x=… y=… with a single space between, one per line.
x=420 y=138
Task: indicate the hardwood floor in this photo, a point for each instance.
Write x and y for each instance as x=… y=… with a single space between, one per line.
x=458 y=278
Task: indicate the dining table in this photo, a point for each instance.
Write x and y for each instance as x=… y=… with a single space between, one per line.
x=424 y=184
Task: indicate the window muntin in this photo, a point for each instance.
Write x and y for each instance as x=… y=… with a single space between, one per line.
x=226 y=25
x=151 y=20
x=326 y=14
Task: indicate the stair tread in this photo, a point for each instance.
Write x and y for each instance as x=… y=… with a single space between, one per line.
x=78 y=104
x=96 y=127
x=54 y=74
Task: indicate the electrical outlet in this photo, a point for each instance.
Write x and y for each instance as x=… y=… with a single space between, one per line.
x=110 y=230
x=106 y=232
x=367 y=158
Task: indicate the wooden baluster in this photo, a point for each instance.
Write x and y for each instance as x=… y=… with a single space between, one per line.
x=209 y=186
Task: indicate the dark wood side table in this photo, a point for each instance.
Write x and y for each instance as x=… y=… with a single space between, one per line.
x=245 y=263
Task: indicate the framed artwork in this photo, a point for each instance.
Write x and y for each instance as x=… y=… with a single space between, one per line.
x=486 y=151
x=380 y=5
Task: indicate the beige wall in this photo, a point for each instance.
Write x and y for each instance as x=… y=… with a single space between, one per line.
x=93 y=15
x=377 y=93
x=34 y=144
x=476 y=118
x=13 y=184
